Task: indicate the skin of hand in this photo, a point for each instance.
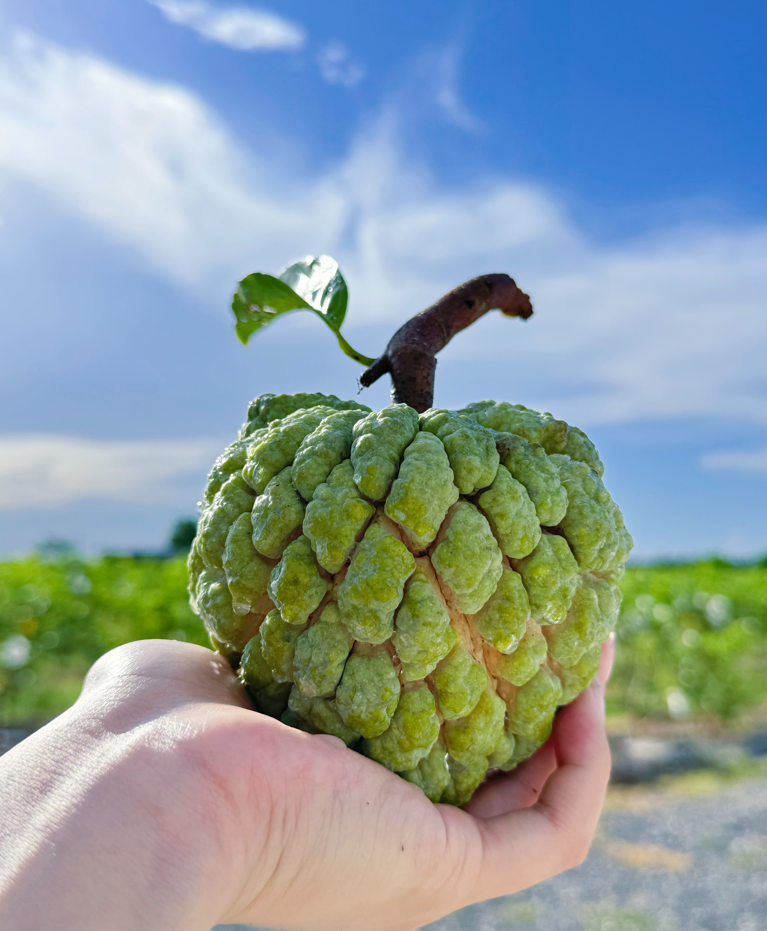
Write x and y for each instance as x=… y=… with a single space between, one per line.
x=162 y=800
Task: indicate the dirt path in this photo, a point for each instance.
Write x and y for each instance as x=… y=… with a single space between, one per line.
x=690 y=856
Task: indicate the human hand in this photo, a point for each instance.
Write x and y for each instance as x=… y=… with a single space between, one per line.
x=161 y=800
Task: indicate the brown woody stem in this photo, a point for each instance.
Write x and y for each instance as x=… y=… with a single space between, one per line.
x=410 y=357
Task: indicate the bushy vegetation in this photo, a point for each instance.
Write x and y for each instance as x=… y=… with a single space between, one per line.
x=692 y=638
x=58 y=616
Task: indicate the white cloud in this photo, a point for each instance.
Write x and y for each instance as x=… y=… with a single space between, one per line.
x=447 y=72
x=737 y=460
x=239 y=27
x=672 y=325
x=337 y=66
x=149 y=164
x=46 y=471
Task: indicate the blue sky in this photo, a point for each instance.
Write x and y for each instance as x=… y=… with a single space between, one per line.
x=610 y=157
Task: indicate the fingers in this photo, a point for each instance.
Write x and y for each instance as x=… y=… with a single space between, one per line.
x=331 y=741
x=518 y=789
x=524 y=847
x=572 y=797
x=522 y=787
x=606 y=661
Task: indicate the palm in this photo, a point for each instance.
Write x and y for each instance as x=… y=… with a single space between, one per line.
x=309 y=834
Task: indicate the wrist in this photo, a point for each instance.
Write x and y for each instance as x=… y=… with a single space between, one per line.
x=100 y=826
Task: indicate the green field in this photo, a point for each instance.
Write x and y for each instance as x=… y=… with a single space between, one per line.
x=692 y=639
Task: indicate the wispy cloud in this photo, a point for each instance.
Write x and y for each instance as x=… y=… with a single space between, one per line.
x=338 y=67
x=239 y=27
x=151 y=165
x=670 y=325
x=737 y=460
x=447 y=75
x=47 y=471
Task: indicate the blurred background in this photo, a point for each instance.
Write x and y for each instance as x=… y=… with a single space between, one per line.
x=610 y=157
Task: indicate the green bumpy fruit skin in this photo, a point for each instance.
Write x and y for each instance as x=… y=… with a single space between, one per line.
x=321 y=653
x=379 y=440
x=521 y=665
x=423 y=634
x=277 y=516
x=321 y=716
x=550 y=576
x=429 y=589
x=247 y=573
x=269 y=697
x=502 y=755
x=470 y=574
x=277 y=447
x=555 y=436
x=374 y=584
x=335 y=517
x=297 y=584
x=464 y=780
x=231 y=461
x=511 y=514
x=531 y=708
x=432 y=774
x=590 y=620
x=477 y=734
x=593 y=524
x=278 y=645
x=322 y=450
x=232 y=499
x=270 y=407
x=458 y=682
x=412 y=733
x=470 y=448
x=213 y=602
x=423 y=491
x=502 y=621
x=532 y=468
x=368 y=693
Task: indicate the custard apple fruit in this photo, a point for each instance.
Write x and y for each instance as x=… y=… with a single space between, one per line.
x=429 y=587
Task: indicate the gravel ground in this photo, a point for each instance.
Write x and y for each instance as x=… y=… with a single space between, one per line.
x=687 y=856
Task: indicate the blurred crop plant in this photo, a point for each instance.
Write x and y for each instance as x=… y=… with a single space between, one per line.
x=692 y=639
x=59 y=613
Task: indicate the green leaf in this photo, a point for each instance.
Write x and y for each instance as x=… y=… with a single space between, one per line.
x=313 y=283
x=259 y=299
x=319 y=282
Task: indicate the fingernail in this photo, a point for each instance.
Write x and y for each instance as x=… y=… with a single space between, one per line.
x=607 y=659
x=331 y=739
x=599 y=694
